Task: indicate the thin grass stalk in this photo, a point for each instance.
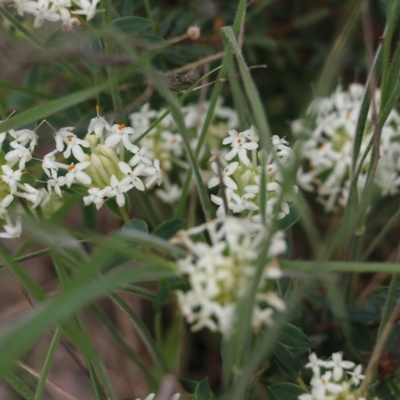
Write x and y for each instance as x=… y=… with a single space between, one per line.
x=330 y=66
x=143 y=333
x=365 y=104
x=239 y=99
x=381 y=340
x=339 y=266
x=213 y=102
x=18 y=339
x=47 y=364
x=93 y=360
x=123 y=345
x=393 y=12
x=108 y=49
x=27 y=91
x=19 y=386
x=95 y=384
x=381 y=235
x=392 y=77
x=390 y=300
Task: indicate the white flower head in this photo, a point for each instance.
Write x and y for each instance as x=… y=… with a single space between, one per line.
x=121 y=133
x=220 y=273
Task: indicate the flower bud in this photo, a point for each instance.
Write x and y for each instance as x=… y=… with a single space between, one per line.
x=93 y=140
x=193 y=32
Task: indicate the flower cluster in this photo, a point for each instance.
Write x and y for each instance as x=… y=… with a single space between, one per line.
x=165 y=143
x=241 y=176
x=106 y=164
x=220 y=273
x=111 y=167
x=339 y=380
x=327 y=150
x=16 y=148
x=55 y=10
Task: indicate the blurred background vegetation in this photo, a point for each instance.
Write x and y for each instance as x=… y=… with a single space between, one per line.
x=308 y=46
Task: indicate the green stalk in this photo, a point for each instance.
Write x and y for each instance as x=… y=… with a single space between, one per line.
x=123 y=345
x=390 y=299
x=143 y=332
x=393 y=10
x=108 y=49
x=147 y=6
x=388 y=320
x=339 y=266
x=19 y=386
x=392 y=222
x=47 y=364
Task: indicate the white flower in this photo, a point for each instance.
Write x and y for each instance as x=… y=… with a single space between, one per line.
x=119 y=188
x=338 y=365
x=140 y=156
x=133 y=175
x=55 y=183
x=19 y=154
x=151 y=397
x=169 y=195
x=140 y=120
x=74 y=145
x=12 y=231
x=4 y=204
x=356 y=375
x=35 y=196
x=239 y=148
x=96 y=196
x=226 y=172
x=314 y=363
x=44 y=12
x=60 y=137
x=154 y=174
x=98 y=125
x=11 y=177
x=49 y=163
x=25 y=136
x=320 y=385
x=67 y=20
x=88 y=8
x=75 y=172
x=172 y=142
x=121 y=133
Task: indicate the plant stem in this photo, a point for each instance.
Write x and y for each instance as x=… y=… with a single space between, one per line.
x=47 y=363
x=124 y=215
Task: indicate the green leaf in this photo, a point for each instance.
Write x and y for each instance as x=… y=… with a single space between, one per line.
x=131 y=25
x=16 y=341
x=20 y=387
x=203 y=391
x=387 y=389
x=188 y=385
x=119 y=259
x=137 y=225
x=171 y=345
x=165 y=287
x=286 y=361
x=168 y=228
x=284 y=286
x=286 y=391
x=293 y=337
x=112 y=205
x=289 y=220
x=49 y=108
x=161 y=296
